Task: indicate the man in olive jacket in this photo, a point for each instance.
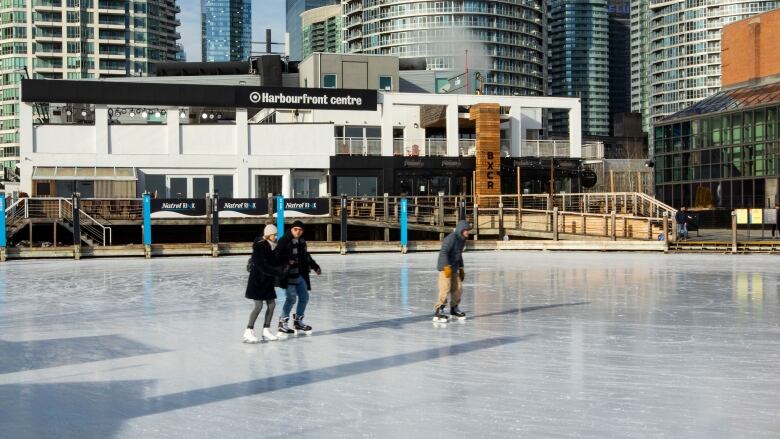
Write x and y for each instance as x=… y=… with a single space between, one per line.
x=450 y=281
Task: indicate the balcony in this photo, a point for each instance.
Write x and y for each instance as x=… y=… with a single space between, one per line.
x=593 y=151
x=546 y=148
x=420 y=147
x=358 y=146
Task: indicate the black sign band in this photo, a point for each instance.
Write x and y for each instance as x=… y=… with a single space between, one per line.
x=224 y=96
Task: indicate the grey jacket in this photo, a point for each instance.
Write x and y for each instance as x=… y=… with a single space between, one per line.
x=451 y=252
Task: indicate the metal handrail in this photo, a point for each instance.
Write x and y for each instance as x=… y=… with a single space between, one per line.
x=97 y=231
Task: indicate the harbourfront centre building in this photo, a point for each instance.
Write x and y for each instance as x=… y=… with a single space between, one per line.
x=334 y=132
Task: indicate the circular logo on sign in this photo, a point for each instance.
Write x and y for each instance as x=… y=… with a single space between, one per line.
x=254 y=97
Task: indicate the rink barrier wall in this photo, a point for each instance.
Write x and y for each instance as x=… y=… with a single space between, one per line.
x=232 y=249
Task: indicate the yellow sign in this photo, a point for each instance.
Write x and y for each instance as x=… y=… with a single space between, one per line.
x=742 y=216
x=756 y=216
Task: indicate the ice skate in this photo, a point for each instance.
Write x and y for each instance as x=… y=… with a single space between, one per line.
x=457 y=313
x=439 y=316
x=300 y=327
x=249 y=336
x=284 y=331
x=268 y=336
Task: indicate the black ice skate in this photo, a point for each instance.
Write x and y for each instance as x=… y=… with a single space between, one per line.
x=439 y=316
x=457 y=313
x=299 y=326
x=284 y=331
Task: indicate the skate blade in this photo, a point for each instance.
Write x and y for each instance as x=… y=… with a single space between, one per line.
x=282 y=336
x=251 y=341
x=298 y=332
x=441 y=319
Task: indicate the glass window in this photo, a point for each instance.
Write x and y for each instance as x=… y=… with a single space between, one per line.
x=329 y=80
x=386 y=83
x=223 y=184
x=200 y=187
x=178 y=187
x=367 y=186
x=155 y=185
x=268 y=184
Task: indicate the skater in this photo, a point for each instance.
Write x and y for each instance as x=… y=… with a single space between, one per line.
x=776 y=225
x=450 y=281
x=264 y=274
x=297 y=284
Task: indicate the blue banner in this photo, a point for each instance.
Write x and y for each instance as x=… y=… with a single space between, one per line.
x=280 y=214
x=147 y=219
x=3 y=242
x=404 y=223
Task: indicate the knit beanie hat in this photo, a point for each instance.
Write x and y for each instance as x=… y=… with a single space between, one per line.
x=270 y=229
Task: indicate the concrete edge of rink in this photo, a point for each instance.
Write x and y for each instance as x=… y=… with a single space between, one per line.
x=245 y=248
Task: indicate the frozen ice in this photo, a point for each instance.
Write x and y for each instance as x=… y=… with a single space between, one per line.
x=557 y=345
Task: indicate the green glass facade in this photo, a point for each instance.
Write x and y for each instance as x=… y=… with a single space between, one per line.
x=725 y=159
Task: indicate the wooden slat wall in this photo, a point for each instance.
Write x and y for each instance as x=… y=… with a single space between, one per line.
x=488 y=155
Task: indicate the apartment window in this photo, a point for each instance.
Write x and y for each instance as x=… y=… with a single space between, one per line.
x=386 y=83
x=329 y=80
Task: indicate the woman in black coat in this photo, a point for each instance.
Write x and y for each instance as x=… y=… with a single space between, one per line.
x=264 y=274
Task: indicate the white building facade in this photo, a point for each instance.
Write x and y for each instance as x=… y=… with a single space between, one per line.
x=177 y=141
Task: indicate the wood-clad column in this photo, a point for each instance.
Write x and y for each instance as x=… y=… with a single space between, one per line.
x=488 y=154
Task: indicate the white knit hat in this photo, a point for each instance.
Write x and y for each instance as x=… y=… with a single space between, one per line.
x=270 y=229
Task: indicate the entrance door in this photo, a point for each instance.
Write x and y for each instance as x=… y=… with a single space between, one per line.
x=306 y=187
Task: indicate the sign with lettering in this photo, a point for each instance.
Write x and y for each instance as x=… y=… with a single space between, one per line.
x=770 y=216
x=486 y=117
x=178 y=207
x=306 y=98
x=243 y=207
x=306 y=207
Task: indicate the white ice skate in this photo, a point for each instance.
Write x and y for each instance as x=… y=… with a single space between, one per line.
x=249 y=336
x=268 y=336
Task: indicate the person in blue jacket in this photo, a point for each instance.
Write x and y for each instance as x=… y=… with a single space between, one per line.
x=451 y=273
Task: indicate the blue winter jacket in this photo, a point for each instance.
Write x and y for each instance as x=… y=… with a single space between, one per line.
x=451 y=252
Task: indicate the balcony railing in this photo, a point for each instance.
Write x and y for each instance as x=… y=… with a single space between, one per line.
x=358 y=146
x=546 y=148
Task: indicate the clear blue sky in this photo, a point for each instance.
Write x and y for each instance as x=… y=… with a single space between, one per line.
x=265 y=14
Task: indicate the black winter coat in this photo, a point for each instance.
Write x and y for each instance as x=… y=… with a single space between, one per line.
x=284 y=255
x=266 y=272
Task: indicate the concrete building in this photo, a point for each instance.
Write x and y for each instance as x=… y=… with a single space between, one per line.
x=682 y=51
x=502 y=41
x=294 y=9
x=57 y=39
x=321 y=28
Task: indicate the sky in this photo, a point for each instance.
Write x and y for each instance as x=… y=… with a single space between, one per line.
x=265 y=14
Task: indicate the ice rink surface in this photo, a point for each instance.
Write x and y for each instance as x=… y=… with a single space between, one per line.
x=557 y=345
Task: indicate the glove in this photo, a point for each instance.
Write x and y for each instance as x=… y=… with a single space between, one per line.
x=447 y=271
x=461 y=274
